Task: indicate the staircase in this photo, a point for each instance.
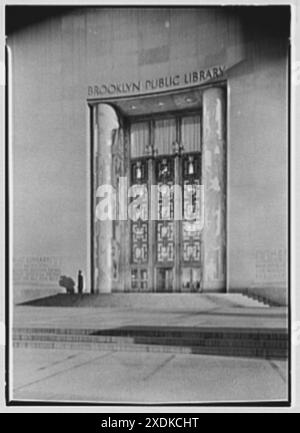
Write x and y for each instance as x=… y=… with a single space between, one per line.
x=198 y=329
x=261 y=299
x=234 y=342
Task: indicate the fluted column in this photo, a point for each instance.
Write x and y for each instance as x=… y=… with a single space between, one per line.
x=214 y=181
x=106 y=122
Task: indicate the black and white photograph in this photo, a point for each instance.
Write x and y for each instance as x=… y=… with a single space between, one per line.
x=148 y=188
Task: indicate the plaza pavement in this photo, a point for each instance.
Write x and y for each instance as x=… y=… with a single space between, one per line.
x=140 y=377
x=104 y=318
x=127 y=377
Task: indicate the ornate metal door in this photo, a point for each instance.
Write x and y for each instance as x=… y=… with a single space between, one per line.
x=166 y=252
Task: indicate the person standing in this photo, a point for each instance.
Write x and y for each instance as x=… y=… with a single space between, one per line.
x=80 y=283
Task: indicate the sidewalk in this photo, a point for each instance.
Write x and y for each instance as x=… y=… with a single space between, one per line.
x=140 y=376
x=127 y=377
x=105 y=318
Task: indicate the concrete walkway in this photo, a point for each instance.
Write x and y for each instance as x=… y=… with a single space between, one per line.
x=105 y=318
x=124 y=377
x=139 y=377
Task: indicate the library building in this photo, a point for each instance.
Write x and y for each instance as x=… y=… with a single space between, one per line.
x=149 y=149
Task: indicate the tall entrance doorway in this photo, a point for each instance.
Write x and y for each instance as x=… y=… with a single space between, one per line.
x=166 y=251
x=172 y=142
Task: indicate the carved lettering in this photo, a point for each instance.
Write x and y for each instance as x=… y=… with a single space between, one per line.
x=151 y=85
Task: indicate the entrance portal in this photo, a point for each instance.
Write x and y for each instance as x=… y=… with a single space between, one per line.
x=175 y=147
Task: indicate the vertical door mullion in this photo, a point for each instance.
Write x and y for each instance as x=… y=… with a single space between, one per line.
x=151 y=223
x=177 y=223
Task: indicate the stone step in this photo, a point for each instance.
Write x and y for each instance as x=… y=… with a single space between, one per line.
x=160 y=340
x=222 y=341
x=172 y=331
x=196 y=350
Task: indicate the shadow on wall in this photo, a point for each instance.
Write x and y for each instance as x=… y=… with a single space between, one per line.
x=68 y=283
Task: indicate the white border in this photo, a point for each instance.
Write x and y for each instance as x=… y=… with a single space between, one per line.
x=295 y=209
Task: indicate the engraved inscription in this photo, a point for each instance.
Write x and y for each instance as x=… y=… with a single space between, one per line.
x=37 y=270
x=270 y=265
